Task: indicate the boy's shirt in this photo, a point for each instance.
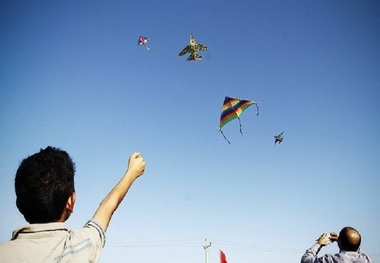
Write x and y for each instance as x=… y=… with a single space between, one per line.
x=52 y=242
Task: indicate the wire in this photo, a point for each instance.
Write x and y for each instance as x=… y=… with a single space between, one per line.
x=157 y=243
x=254 y=247
x=199 y=243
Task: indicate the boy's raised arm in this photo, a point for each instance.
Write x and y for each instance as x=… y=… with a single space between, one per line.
x=107 y=207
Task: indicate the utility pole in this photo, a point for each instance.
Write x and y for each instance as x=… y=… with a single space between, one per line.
x=205 y=247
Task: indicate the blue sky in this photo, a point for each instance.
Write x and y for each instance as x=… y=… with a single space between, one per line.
x=73 y=76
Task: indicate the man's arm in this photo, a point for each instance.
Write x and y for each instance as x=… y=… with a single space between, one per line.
x=110 y=203
x=310 y=255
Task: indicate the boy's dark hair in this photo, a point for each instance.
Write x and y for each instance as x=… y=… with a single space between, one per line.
x=44 y=182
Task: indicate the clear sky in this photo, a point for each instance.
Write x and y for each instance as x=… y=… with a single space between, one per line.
x=73 y=76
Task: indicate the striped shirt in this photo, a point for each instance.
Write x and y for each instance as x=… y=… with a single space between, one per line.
x=53 y=242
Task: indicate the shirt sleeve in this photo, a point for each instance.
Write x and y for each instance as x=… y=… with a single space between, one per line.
x=310 y=255
x=98 y=237
x=94 y=224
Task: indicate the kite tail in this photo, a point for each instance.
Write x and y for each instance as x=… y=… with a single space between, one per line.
x=224 y=136
x=241 y=131
x=257 y=107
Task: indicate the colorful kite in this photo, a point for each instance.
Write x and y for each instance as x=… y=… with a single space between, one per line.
x=232 y=108
x=143 y=41
x=193 y=47
x=278 y=138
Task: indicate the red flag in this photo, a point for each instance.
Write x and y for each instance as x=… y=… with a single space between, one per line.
x=222 y=257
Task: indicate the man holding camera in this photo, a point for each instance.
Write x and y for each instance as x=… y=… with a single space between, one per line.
x=348 y=239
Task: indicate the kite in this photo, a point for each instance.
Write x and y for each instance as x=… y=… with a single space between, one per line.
x=278 y=138
x=193 y=47
x=232 y=108
x=143 y=41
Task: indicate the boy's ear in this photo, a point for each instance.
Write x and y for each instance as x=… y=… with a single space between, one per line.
x=70 y=203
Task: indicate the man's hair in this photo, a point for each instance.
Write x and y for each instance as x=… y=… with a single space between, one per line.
x=44 y=182
x=349 y=239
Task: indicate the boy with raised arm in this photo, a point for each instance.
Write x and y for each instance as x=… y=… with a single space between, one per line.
x=45 y=192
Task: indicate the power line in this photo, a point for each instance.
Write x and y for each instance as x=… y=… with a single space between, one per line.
x=156 y=243
x=255 y=247
x=197 y=243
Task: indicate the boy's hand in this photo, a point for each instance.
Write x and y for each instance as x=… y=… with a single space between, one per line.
x=136 y=165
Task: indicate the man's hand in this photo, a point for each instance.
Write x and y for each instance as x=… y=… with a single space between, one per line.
x=334 y=236
x=324 y=239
